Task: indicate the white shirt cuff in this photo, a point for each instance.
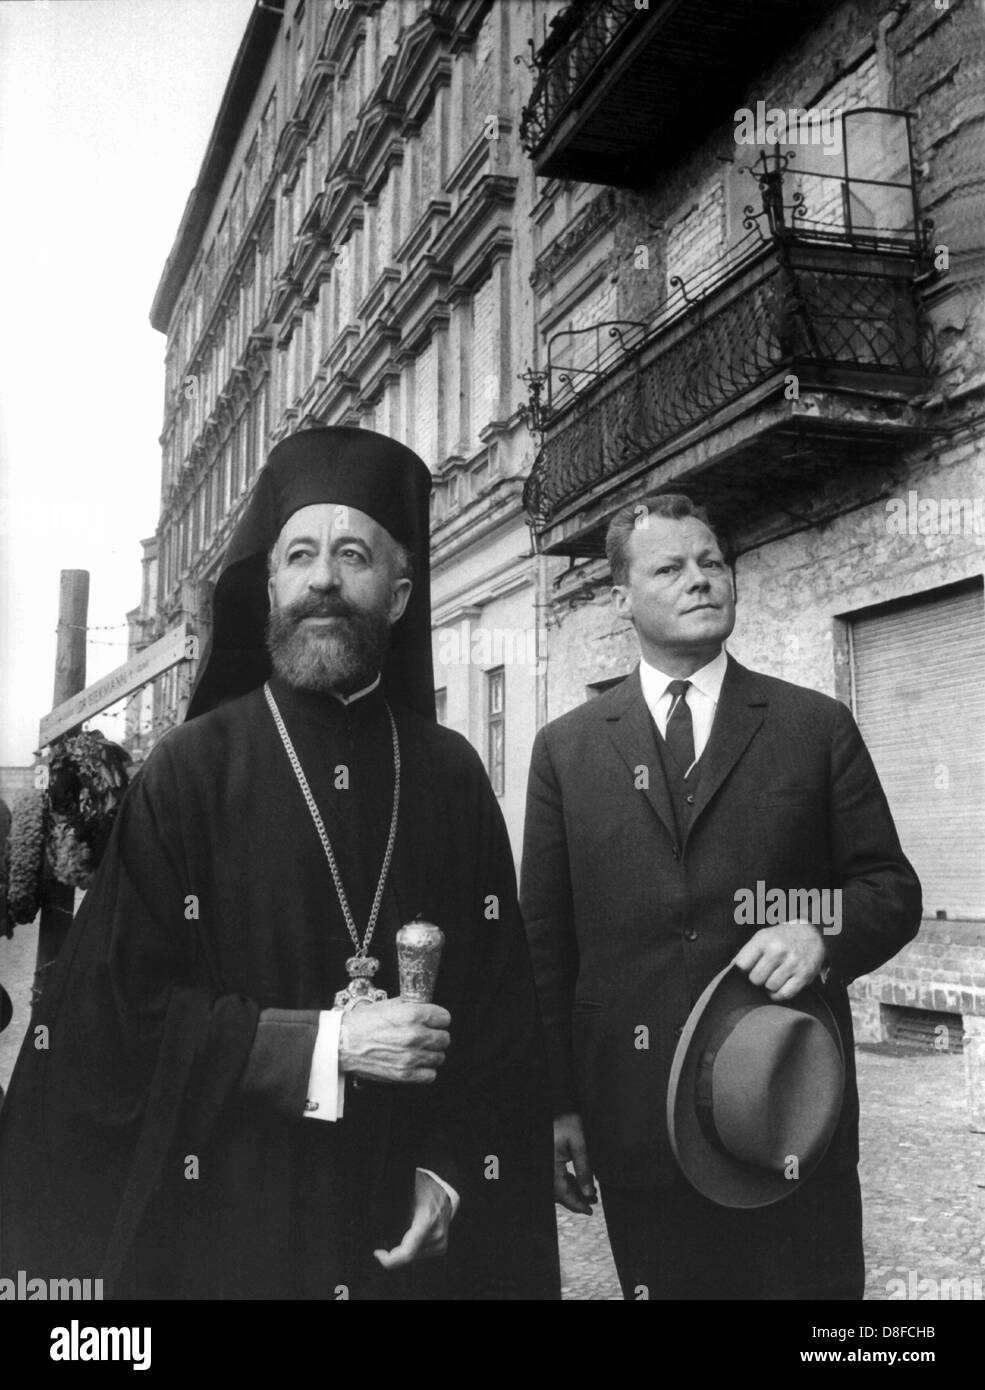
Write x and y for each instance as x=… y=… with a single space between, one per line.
x=326 y=1084
x=452 y=1194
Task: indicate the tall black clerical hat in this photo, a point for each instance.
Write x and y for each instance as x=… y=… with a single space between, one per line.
x=338 y=464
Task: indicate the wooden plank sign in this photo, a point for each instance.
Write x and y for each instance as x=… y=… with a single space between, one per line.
x=177 y=645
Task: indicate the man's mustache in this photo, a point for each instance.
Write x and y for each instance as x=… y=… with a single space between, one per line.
x=318 y=608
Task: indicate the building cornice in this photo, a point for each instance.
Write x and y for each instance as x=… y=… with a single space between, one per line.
x=244 y=82
x=467 y=16
x=421 y=65
x=419 y=302
x=473 y=523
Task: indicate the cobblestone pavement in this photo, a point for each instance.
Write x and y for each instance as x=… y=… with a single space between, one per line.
x=923 y=1187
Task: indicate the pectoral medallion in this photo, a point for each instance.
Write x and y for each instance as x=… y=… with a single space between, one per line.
x=360 y=970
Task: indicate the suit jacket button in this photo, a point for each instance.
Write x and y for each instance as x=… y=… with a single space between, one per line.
x=690 y=798
x=691 y=934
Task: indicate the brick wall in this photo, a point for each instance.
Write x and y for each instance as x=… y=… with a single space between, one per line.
x=389 y=20
x=485 y=354
x=384 y=226
x=938 y=62
x=698 y=237
x=582 y=349
x=425 y=387
x=942 y=970
x=429 y=158
x=345 y=268
x=481 y=99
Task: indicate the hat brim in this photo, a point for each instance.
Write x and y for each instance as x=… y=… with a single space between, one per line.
x=710 y=1170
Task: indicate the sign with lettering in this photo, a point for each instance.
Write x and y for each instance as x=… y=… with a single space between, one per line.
x=177 y=645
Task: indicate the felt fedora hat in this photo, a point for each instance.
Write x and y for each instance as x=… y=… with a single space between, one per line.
x=755 y=1091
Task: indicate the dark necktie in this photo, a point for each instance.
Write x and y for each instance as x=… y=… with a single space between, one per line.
x=680 y=730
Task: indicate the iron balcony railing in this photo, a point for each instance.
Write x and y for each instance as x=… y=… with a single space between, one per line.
x=819 y=289
x=623 y=88
x=581 y=37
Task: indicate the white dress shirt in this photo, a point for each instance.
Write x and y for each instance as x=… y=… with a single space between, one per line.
x=702 y=700
x=702 y=697
x=326 y=1080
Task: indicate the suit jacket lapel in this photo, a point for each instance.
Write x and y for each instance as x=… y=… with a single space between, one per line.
x=741 y=710
x=629 y=727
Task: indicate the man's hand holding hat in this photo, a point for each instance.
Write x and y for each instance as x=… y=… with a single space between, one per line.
x=783 y=959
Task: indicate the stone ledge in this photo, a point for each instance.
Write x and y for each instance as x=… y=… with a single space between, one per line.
x=949 y=998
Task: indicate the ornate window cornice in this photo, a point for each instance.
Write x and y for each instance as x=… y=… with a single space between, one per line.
x=572 y=243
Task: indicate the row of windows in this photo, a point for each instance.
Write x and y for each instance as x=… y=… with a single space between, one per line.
x=446 y=131
x=356 y=266
x=199 y=389
x=226 y=482
x=442 y=399
x=438 y=406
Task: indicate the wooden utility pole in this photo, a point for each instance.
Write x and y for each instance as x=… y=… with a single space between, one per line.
x=58 y=899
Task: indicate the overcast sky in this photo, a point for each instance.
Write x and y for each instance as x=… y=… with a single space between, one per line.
x=105 y=111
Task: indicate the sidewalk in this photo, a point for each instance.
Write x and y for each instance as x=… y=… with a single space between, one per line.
x=923 y=1186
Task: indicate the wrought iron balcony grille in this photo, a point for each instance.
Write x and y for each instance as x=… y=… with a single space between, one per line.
x=623 y=89
x=582 y=37
x=820 y=284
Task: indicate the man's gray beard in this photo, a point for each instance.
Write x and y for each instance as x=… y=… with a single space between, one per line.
x=341 y=659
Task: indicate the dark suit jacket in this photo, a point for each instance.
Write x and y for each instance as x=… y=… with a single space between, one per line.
x=627 y=926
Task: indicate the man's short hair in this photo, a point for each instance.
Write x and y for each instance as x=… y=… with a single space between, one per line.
x=402 y=556
x=671 y=506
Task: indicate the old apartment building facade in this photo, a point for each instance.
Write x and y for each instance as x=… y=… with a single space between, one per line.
x=534 y=242
x=355 y=252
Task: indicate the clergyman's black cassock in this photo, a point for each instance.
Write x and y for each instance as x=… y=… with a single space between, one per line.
x=153 y=1132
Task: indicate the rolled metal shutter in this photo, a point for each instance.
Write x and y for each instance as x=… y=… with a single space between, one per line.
x=919 y=694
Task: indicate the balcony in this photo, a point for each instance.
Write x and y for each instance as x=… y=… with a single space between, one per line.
x=621 y=92
x=795 y=355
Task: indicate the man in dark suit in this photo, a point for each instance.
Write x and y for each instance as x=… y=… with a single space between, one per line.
x=656 y=814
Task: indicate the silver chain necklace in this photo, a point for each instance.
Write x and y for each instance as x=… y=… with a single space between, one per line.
x=362 y=966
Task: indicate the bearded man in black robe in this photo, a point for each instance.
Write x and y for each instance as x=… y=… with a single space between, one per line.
x=190 y=1117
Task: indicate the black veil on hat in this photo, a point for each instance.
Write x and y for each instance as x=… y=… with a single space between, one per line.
x=339 y=464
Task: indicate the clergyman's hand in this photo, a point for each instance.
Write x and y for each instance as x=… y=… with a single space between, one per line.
x=784 y=959
x=575 y=1192
x=394 y=1041
x=427 y=1235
